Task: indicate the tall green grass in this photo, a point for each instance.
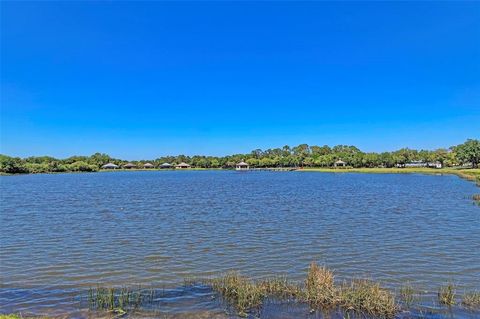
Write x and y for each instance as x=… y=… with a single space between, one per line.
x=120 y=299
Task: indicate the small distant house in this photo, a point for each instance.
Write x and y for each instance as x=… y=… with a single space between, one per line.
x=435 y=165
x=110 y=166
x=166 y=166
x=339 y=163
x=182 y=166
x=129 y=166
x=416 y=164
x=148 y=165
x=242 y=166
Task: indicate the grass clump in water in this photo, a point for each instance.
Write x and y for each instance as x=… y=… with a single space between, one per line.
x=446 y=294
x=280 y=287
x=320 y=287
x=246 y=295
x=408 y=294
x=471 y=300
x=476 y=197
x=368 y=297
x=240 y=292
x=118 y=299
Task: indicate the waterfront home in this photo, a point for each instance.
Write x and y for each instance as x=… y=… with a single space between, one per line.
x=339 y=163
x=148 y=165
x=242 y=166
x=436 y=165
x=421 y=164
x=110 y=166
x=129 y=166
x=166 y=166
x=182 y=166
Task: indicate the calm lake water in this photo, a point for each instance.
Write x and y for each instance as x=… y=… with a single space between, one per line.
x=63 y=233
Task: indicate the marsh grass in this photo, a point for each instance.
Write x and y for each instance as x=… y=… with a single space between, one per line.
x=358 y=298
x=447 y=294
x=471 y=300
x=409 y=294
x=320 y=287
x=280 y=287
x=476 y=198
x=319 y=291
x=368 y=297
x=119 y=299
x=241 y=293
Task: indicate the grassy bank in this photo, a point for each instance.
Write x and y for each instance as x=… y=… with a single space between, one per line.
x=468 y=174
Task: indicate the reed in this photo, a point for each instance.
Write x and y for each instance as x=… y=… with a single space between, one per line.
x=447 y=294
x=119 y=299
x=368 y=297
x=471 y=300
x=238 y=291
x=408 y=294
x=280 y=287
x=476 y=198
x=319 y=286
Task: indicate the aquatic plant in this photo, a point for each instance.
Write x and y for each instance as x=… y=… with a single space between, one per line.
x=446 y=294
x=368 y=297
x=319 y=286
x=238 y=291
x=408 y=294
x=476 y=197
x=118 y=299
x=280 y=287
x=471 y=300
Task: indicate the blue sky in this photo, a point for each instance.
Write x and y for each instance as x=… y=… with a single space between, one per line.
x=141 y=80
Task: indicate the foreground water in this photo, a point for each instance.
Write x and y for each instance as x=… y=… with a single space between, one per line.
x=61 y=234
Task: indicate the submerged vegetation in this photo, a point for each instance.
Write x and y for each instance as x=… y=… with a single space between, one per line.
x=447 y=294
x=476 y=198
x=118 y=299
x=466 y=154
x=408 y=294
x=321 y=292
x=472 y=300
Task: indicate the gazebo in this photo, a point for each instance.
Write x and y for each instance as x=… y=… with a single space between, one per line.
x=148 y=165
x=242 y=166
x=129 y=166
x=339 y=163
x=182 y=165
x=166 y=166
x=110 y=166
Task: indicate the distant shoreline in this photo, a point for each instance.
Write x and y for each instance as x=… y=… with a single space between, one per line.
x=466 y=173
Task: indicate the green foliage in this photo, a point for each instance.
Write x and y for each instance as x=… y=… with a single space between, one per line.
x=468 y=152
x=12 y=165
x=447 y=294
x=302 y=155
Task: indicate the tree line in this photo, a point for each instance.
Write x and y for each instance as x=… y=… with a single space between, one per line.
x=303 y=155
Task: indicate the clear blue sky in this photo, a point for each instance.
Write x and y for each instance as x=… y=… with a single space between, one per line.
x=140 y=80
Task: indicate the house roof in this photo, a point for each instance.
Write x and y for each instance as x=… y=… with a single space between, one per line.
x=183 y=164
x=242 y=163
x=129 y=165
x=340 y=162
x=166 y=165
x=148 y=165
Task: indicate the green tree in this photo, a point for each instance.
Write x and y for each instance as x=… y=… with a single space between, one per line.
x=469 y=152
x=12 y=165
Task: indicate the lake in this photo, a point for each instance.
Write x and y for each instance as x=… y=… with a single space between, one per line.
x=63 y=233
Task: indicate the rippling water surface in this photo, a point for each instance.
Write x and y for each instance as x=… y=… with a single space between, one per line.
x=63 y=233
